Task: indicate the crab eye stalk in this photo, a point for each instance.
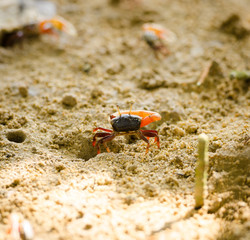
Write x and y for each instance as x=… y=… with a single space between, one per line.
x=118 y=109
x=130 y=109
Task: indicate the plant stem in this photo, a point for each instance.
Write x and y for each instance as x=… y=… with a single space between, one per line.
x=240 y=75
x=201 y=171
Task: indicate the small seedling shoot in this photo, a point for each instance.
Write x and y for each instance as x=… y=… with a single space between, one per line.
x=201 y=171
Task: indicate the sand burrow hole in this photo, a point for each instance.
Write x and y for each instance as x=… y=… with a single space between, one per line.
x=17 y=136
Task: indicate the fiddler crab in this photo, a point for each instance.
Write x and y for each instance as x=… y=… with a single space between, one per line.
x=128 y=122
x=157 y=37
x=19 y=228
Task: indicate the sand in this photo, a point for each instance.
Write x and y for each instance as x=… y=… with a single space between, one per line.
x=52 y=96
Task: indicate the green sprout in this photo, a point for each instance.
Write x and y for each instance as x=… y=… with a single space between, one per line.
x=201 y=171
x=240 y=75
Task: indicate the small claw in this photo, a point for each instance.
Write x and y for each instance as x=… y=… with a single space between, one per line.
x=98 y=151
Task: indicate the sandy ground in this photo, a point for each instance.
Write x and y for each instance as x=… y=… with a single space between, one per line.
x=51 y=98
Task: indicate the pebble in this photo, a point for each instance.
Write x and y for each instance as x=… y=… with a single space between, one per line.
x=69 y=100
x=23 y=90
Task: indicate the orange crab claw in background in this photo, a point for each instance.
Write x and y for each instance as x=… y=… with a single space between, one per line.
x=159 y=31
x=57 y=26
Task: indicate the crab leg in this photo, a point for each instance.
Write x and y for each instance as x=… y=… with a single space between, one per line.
x=152 y=133
x=103 y=129
x=103 y=140
x=100 y=134
x=141 y=136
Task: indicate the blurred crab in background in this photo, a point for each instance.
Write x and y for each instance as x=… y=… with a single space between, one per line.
x=158 y=37
x=19 y=228
x=20 y=20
